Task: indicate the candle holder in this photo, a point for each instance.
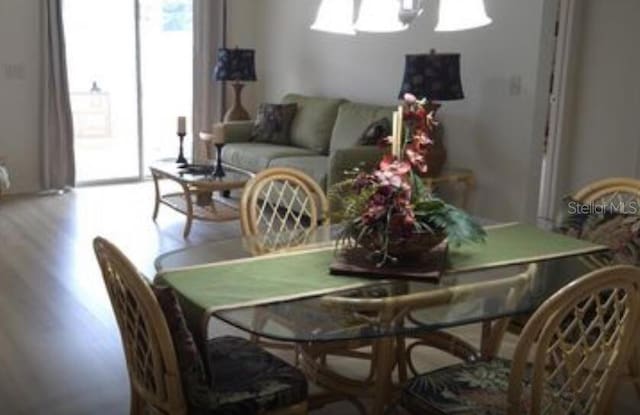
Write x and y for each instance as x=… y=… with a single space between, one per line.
x=219 y=173
x=181 y=159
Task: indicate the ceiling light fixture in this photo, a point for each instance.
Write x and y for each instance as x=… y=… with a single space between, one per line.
x=335 y=16
x=410 y=10
x=380 y=16
x=457 y=15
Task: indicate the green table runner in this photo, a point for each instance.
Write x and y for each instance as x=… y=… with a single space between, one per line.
x=266 y=279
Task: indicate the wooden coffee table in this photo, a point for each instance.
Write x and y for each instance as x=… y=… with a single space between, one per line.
x=196 y=198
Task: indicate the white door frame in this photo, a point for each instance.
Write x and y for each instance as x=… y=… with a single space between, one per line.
x=555 y=154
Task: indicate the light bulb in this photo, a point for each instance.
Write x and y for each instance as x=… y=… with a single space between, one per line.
x=335 y=16
x=457 y=15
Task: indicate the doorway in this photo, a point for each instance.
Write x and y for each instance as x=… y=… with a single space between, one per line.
x=130 y=77
x=595 y=100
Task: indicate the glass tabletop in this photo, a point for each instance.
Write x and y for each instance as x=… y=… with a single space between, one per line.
x=245 y=247
x=290 y=295
x=392 y=308
x=198 y=173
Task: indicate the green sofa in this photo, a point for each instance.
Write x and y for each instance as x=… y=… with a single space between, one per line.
x=324 y=142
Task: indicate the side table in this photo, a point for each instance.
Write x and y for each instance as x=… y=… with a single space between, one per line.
x=454 y=176
x=195 y=200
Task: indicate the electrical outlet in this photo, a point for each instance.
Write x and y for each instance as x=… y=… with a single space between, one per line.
x=14 y=71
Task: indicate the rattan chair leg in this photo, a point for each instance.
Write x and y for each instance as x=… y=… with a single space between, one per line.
x=156 y=205
x=493 y=333
x=401 y=356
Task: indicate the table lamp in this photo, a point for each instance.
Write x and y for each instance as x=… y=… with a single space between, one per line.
x=434 y=76
x=238 y=66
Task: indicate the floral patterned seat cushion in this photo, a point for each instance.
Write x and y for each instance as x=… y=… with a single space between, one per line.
x=243 y=379
x=478 y=388
x=248 y=380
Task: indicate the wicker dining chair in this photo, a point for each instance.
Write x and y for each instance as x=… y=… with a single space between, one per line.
x=566 y=361
x=156 y=381
x=280 y=208
x=396 y=313
x=614 y=191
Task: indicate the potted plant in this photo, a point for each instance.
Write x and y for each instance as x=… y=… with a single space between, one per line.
x=389 y=211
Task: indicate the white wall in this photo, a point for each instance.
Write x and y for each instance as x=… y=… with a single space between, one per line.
x=491 y=131
x=19 y=83
x=602 y=116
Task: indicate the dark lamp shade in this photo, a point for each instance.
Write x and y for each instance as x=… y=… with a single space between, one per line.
x=235 y=65
x=435 y=76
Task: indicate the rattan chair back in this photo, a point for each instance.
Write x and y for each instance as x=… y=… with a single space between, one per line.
x=577 y=341
x=280 y=207
x=149 y=351
x=615 y=191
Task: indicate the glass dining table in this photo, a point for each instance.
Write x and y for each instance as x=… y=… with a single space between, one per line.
x=289 y=295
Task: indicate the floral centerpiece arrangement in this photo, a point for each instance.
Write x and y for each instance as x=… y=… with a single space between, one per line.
x=389 y=211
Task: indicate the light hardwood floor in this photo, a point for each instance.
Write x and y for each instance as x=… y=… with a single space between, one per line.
x=60 y=350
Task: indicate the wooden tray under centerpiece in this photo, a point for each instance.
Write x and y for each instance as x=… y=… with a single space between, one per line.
x=356 y=262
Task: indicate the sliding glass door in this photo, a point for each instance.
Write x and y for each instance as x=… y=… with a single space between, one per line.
x=130 y=77
x=166 y=73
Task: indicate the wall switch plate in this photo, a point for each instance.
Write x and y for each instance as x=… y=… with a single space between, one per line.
x=14 y=71
x=515 y=85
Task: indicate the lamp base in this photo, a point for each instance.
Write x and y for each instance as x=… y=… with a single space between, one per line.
x=237 y=111
x=236 y=114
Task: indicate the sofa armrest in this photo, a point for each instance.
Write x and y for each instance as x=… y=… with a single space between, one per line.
x=344 y=160
x=234 y=131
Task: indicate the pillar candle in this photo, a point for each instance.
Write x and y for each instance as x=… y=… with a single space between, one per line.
x=394 y=134
x=182 y=125
x=217 y=138
x=400 y=131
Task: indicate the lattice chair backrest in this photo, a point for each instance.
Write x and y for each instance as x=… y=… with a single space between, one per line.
x=280 y=207
x=150 y=354
x=577 y=341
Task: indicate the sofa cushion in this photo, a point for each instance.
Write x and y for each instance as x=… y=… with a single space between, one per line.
x=352 y=121
x=256 y=156
x=313 y=122
x=314 y=166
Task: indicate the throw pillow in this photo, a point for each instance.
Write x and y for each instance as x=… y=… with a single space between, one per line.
x=619 y=231
x=192 y=368
x=375 y=132
x=273 y=123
